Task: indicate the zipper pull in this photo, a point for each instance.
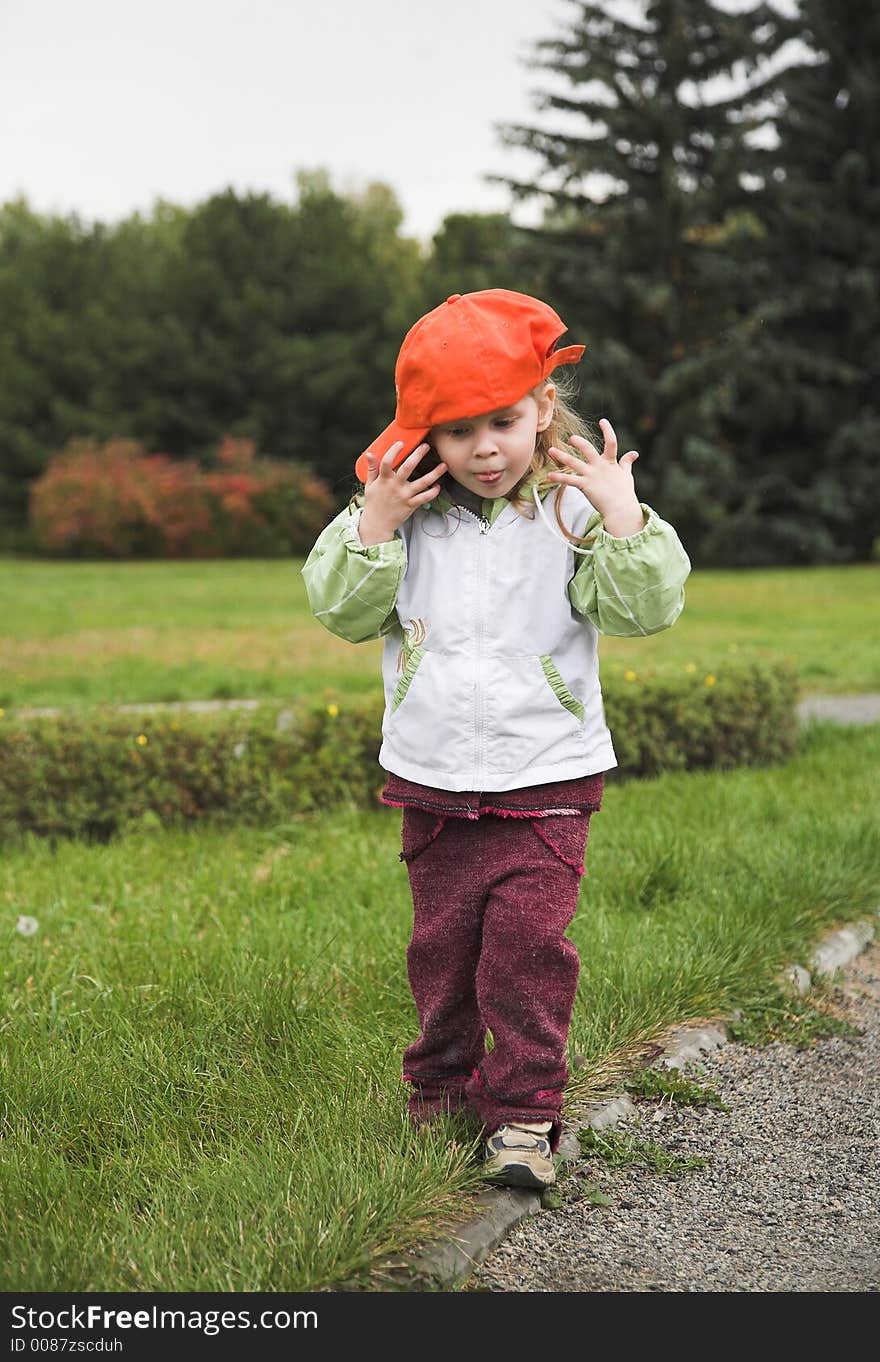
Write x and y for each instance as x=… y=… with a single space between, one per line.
x=485 y=525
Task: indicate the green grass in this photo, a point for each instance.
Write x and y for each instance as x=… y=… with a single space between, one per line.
x=672 y=1087
x=201 y=1042
x=621 y=1149
x=776 y=1014
x=90 y=633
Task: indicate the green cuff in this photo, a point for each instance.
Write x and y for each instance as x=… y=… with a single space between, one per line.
x=627 y=542
x=388 y=549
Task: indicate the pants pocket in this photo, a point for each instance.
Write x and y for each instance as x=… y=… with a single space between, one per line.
x=566 y=836
x=419 y=830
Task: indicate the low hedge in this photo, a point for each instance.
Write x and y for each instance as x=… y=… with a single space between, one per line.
x=94 y=775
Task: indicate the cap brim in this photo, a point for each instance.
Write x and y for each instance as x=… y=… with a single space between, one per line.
x=380 y=446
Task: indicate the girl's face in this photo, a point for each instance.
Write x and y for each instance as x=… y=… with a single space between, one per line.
x=490 y=454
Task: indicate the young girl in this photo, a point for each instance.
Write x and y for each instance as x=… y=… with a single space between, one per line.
x=491 y=575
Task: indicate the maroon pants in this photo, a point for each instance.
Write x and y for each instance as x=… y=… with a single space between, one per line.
x=492 y=898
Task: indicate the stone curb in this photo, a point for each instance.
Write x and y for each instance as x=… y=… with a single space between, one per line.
x=842 y=946
x=449 y=1262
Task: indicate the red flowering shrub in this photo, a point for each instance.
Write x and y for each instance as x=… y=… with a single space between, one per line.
x=117 y=501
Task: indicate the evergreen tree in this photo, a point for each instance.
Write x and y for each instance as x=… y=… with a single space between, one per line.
x=807 y=410
x=649 y=235
x=474 y=251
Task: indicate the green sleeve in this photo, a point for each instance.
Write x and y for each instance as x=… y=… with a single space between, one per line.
x=352 y=588
x=634 y=585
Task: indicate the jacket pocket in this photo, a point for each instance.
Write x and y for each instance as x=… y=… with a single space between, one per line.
x=413 y=661
x=560 y=689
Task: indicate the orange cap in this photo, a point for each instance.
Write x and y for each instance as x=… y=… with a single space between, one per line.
x=475 y=353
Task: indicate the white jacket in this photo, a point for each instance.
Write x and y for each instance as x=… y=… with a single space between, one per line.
x=490 y=665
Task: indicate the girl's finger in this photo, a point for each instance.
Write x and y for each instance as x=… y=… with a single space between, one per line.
x=408 y=464
x=429 y=478
x=427 y=495
x=578 y=440
x=631 y=455
x=557 y=475
x=564 y=456
x=372 y=470
x=389 y=456
x=610 y=451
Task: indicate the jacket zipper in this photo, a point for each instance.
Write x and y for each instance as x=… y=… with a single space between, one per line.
x=484 y=527
x=483 y=521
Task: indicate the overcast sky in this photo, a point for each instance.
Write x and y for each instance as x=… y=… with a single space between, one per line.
x=106 y=105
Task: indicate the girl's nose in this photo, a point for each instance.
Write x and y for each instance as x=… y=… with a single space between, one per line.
x=485 y=444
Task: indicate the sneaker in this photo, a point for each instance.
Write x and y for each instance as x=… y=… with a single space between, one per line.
x=518 y=1155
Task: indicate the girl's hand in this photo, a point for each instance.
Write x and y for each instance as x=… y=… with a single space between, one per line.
x=605 y=481
x=389 y=498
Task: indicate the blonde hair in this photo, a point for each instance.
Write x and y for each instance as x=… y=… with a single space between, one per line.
x=564 y=423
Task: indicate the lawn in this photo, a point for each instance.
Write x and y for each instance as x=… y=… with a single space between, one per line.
x=202 y=1030
x=77 y=634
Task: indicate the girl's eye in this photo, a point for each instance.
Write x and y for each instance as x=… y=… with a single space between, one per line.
x=505 y=421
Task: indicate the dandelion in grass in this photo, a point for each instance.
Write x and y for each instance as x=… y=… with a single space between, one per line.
x=25 y=925
x=630 y=676
x=691 y=667
x=333 y=710
x=710 y=680
x=142 y=739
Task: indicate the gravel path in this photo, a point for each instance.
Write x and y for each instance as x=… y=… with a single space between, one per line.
x=789 y=1200
x=844 y=709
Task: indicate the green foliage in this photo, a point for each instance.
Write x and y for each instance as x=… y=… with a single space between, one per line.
x=674 y=1087
x=552 y=1199
x=118 y=501
x=649 y=235
x=620 y=1149
x=244 y=315
x=743 y=716
x=727 y=284
x=475 y=251
x=803 y=412
x=96 y=775
x=776 y=1014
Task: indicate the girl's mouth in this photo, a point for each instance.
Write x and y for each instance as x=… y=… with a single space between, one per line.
x=490 y=477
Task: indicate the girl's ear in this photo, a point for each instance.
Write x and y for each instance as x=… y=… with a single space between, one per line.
x=546 y=400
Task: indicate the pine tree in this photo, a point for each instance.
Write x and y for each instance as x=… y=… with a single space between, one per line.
x=807 y=410
x=649 y=237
